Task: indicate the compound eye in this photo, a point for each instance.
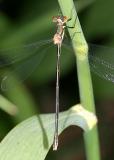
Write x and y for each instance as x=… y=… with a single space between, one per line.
x=54 y=18
x=65 y=19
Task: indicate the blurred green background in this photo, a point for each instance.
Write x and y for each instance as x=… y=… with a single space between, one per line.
x=26 y=21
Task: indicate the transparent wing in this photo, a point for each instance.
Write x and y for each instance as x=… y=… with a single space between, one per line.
x=23 y=66
x=101 y=60
x=19 y=53
x=27 y=58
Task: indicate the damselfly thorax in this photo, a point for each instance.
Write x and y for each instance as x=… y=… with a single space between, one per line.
x=60 y=22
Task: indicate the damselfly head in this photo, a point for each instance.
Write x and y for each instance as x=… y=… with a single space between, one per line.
x=57 y=19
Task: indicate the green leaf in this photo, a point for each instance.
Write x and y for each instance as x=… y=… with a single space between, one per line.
x=32 y=139
x=19 y=95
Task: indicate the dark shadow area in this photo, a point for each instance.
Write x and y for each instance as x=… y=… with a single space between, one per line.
x=45 y=138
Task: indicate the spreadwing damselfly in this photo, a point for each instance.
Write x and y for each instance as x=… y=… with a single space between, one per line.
x=25 y=60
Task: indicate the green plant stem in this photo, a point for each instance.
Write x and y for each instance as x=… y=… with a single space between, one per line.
x=85 y=84
x=7 y=106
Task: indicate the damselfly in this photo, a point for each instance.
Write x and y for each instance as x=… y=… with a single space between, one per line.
x=25 y=59
x=57 y=39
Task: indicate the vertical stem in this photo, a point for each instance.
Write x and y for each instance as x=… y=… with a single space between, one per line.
x=87 y=100
x=85 y=84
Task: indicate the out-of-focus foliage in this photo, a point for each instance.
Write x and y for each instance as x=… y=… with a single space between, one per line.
x=7 y=106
